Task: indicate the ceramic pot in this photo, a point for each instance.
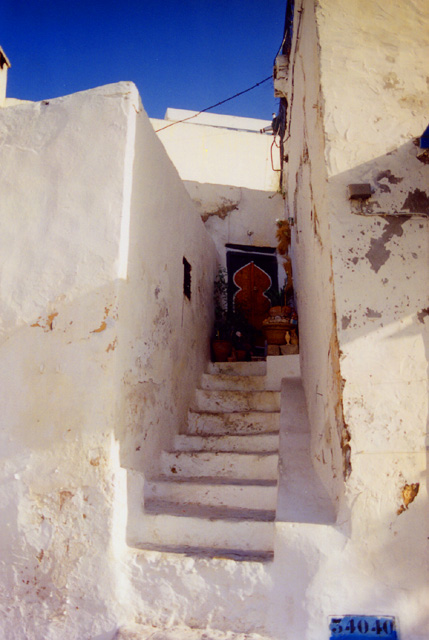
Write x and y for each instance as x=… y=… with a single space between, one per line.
x=221 y=350
x=275 y=332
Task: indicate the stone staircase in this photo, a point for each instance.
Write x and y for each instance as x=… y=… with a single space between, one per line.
x=216 y=493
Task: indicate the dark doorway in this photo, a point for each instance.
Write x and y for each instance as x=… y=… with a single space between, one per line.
x=252 y=274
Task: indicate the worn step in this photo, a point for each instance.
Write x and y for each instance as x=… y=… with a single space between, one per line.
x=247 y=495
x=135 y=631
x=255 y=442
x=226 y=401
x=224 y=464
x=233 y=423
x=238 y=368
x=164 y=530
x=233 y=383
x=213 y=512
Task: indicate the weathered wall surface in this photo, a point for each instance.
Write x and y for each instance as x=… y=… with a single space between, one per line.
x=94 y=326
x=359 y=100
x=312 y=258
x=165 y=335
x=237 y=215
x=231 y=176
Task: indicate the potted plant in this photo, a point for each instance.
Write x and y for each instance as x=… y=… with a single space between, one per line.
x=280 y=320
x=222 y=333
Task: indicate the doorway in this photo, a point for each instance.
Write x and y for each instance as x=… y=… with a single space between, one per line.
x=252 y=275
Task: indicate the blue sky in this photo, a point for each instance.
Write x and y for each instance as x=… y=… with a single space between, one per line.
x=189 y=54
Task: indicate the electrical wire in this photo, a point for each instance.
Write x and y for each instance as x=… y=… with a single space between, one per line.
x=215 y=105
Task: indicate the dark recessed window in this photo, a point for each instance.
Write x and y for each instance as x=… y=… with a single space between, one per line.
x=187 y=278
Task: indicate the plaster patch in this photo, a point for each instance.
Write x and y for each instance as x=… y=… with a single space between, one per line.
x=409 y=493
x=391 y=81
x=221 y=212
x=388 y=175
x=64 y=496
x=101 y=328
x=345 y=321
x=47 y=324
x=370 y=313
x=417 y=201
x=421 y=315
x=377 y=253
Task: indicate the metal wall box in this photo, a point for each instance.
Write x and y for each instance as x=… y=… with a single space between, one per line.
x=281 y=68
x=360 y=191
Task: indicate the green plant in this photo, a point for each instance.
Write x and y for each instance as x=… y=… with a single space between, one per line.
x=222 y=327
x=277 y=296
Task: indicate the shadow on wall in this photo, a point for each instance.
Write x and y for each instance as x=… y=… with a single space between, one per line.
x=381 y=247
x=381 y=262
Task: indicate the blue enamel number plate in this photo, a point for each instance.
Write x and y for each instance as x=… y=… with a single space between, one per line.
x=363 y=628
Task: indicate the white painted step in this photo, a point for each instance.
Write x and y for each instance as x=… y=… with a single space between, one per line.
x=256 y=442
x=234 y=423
x=228 y=401
x=238 y=368
x=214 y=494
x=212 y=512
x=135 y=631
x=233 y=383
x=163 y=530
x=231 y=465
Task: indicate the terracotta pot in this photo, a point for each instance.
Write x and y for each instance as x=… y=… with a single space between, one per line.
x=275 y=311
x=221 y=350
x=275 y=332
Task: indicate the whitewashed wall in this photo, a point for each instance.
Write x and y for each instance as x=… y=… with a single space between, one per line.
x=99 y=350
x=358 y=102
x=312 y=258
x=231 y=175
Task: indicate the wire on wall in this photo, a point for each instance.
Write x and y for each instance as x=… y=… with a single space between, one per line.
x=215 y=105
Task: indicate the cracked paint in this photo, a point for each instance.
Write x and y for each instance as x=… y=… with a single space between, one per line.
x=221 y=212
x=48 y=324
x=421 y=315
x=417 y=201
x=377 y=253
x=345 y=321
x=409 y=494
x=370 y=313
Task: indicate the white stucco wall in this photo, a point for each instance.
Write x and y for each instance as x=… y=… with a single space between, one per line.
x=216 y=120
x=95 y=338
x=231 y=174
x=220 y=155
x=358 y=96
x=312 y=259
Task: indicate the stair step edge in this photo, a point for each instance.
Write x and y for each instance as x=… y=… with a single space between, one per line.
x=204 y=512
x=209 y=552
x=216 y=480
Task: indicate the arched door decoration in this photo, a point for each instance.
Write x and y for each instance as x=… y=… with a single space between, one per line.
x=253 y=284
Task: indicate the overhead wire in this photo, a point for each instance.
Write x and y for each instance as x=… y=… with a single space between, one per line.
x=240 y=93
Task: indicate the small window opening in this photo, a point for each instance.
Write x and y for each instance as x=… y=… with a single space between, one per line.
x=187 y=278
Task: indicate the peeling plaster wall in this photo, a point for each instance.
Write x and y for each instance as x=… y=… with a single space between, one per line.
x=237 y=215
x=358 y=97
x=94 y=335
x=311 y=255
x=380 y=263
x=229 y=176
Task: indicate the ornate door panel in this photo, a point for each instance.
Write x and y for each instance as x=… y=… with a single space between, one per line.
x=250 y=277
x=253 y=283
